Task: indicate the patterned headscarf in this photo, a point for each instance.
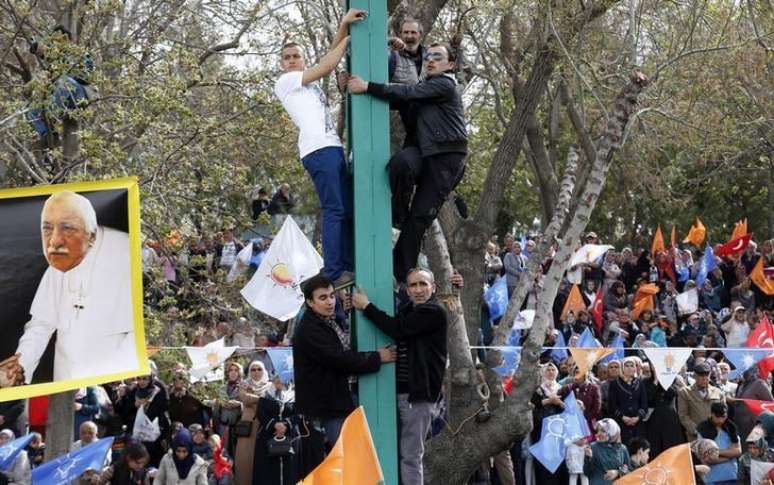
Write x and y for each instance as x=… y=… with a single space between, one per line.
x=706 y=450
x=611 y=429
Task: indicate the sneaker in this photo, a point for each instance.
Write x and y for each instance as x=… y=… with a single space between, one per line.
x=346 y=279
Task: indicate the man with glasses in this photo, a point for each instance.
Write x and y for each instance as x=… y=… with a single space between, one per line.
x=435 y=166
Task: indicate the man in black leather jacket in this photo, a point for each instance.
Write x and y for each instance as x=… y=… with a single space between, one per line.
x=420 y=331
x=436 y=164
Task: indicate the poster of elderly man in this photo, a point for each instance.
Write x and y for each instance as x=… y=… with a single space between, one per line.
x=70 y=287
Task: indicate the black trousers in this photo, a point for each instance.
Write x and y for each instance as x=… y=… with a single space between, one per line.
x=431 y=180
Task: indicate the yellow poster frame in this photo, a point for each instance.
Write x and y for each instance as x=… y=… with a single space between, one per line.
x=131 y=185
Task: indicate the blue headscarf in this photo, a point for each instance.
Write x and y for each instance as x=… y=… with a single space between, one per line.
x=183 y=440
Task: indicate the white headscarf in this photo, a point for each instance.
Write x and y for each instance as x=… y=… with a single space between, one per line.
x=259 y=386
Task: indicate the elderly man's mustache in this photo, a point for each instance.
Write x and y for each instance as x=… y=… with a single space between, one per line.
x=58 y=251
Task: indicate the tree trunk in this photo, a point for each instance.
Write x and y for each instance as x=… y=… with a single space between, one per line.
x=453 y=455
x=59 y=427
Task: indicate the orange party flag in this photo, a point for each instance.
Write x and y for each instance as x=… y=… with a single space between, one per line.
x=758 y=276
x=643 y=299
x=574 y=303
x=658 y=241
x=740 y=229
x=586 y=358
x=696 y=234
x=672 y=467
x=352 y=460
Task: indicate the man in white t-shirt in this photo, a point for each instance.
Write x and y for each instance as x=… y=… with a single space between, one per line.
x=320 y=147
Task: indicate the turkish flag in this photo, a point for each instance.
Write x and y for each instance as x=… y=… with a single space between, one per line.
x=763 y=338
x=757 y=407
x=734 y=246
x=596 y=310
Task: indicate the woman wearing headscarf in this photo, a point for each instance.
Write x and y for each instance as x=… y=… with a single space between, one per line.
x=255 y=385
x=615 y=298
x=628 y=400
x=181 y=466
x=547 y=402
x=607 y=459
x=19 y=472
x=751 y=387
x=271 y=423
x=662 y=428
x=150 y=395
x=228 y=410
x=758 y=450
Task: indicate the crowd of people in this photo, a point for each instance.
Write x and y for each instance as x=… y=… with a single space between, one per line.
x=632 y=417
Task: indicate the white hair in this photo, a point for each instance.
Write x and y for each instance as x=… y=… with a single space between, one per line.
x=80 y=203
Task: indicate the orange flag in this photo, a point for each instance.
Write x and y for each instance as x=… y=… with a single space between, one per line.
x=352 y=460
x=152 y=349
x=672 y=467
x=673 y=238
x=586 y=358
x=696 y=234
x=643 y=299
x=740 y=229
x=758 y=276
x=658 y=241
x=574 y=303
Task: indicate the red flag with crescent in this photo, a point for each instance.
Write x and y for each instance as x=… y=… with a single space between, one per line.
x=757 y=407
x=763 y=338
x=734 y=246
x=596 y=310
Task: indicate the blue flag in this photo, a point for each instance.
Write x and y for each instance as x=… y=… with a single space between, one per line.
x=496 y=297
x=707 y=265
x=559 y=354
x=743 y=359
x=10 y=450
x=576 y=425
x=514 y=339
x=618 y=344
x=282 y=359
x=683 y=274
x=68 y=467
x=550 y=450
x=587 y=340
x=511 y=358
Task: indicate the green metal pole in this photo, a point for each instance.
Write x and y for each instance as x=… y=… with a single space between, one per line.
x=369 y=143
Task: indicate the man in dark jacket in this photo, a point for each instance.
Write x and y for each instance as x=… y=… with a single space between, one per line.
x=420 y=330
x=10 y=412
x=324 y=361
x=436 y=164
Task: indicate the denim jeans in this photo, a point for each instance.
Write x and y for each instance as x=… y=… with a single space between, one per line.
x=67 y=95
x=328 y=169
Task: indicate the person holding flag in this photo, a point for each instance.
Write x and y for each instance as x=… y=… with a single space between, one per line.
x=14 y=463
x=547 y=403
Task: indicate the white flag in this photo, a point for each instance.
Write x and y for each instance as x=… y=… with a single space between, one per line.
x=589 y=253
x=275 y=289
x=688 y=302
x=667 y=361
x=241 y=263
x=524 y=319
x=759 y=470
x=206 y=361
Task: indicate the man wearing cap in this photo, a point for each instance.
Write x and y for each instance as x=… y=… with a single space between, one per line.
x=693 y=403
x=736 y=328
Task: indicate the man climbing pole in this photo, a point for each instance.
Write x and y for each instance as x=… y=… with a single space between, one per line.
x=439 y=157
x=320 y=147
